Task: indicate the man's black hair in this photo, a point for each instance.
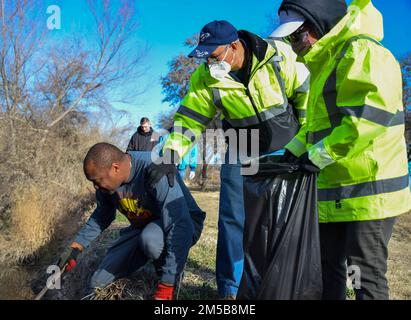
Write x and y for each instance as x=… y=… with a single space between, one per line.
x=144 y=120
x=103 y=154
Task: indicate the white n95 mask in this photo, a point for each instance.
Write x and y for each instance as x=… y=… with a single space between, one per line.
x=219 y=70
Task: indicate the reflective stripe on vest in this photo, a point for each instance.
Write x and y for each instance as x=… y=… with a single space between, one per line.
x=248 y=121
x=183 y=110
x=364 y=189
x=301 y=113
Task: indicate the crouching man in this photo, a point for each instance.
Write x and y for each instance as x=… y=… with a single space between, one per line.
x=165 y=220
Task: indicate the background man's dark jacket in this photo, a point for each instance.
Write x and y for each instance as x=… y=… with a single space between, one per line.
x=141 y=141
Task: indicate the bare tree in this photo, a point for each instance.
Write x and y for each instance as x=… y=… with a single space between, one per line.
x=68 y=81
x=176 y=83
x=96 y=71
x=166 y=119
x=19 y=40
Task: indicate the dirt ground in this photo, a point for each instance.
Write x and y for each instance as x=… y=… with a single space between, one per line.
x=199 y=278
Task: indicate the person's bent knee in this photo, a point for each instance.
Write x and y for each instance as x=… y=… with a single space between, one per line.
x=101 y=278
x=152 y=244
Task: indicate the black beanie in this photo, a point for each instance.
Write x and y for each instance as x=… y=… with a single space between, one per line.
x=323 y=15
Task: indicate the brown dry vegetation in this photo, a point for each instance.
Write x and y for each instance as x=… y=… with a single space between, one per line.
x=44 y=203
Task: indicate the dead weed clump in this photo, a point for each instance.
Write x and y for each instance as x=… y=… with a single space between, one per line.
x=14 y=281
x=140 y=286
x=31 y=225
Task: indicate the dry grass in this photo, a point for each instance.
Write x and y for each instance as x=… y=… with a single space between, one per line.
x=29 y=230
x=14 y=284
x=399 y=260
x=199 y=278
x=29 y=225
x=38 y=231
x=140 y=286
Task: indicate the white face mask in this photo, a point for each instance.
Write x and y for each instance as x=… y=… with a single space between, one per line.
x=220 y=70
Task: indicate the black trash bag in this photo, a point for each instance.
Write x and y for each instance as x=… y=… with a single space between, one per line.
x=281 y=234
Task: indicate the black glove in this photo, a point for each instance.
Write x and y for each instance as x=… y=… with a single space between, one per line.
x=288 y=157
x=305 y=164
x=168 y=168
x=68 y=258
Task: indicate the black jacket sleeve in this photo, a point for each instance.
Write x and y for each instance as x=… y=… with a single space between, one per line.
x=133 y=144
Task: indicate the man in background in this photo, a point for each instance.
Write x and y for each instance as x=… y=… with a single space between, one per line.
x=144 y=139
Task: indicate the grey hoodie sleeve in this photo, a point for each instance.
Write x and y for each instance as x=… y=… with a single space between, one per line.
x=102 y=217
x=177 y=227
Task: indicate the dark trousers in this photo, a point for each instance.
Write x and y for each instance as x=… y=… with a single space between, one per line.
x=130 y=252
x=362 y=247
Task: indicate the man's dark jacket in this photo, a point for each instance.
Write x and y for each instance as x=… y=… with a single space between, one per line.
x=141 y=141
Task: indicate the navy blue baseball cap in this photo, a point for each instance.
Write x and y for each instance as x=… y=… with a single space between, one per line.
x=213 y=35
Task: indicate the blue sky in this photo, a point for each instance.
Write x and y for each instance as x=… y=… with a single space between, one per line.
x=164 y=25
